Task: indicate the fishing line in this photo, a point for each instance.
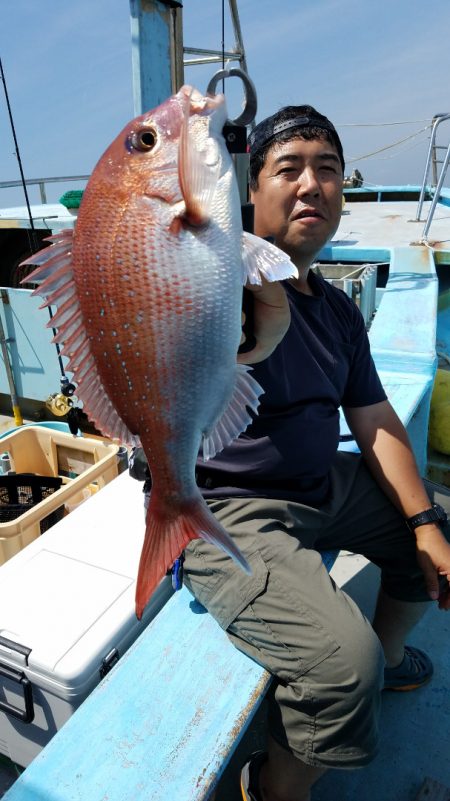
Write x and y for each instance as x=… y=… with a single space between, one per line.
x=223 y=44
x=32 y=237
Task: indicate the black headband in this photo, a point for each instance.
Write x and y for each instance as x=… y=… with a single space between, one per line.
x=268 y=130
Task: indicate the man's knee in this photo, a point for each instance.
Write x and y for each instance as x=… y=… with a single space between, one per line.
x=329 y=716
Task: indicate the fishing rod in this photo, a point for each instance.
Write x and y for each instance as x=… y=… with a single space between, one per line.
x=18 y=419
x=59 y=401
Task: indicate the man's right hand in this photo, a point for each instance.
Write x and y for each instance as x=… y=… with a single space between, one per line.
x=271 y=320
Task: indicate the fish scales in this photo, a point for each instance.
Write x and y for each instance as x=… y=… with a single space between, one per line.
x=152 y=283
x=162 y=334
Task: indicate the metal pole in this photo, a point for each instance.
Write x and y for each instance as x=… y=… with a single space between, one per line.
x=9 y=373
x=437 y=119
x=436 y=195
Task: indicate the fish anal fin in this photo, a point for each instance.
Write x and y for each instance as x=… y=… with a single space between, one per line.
x=168 y=531
x=236 y=416
x=261 y=258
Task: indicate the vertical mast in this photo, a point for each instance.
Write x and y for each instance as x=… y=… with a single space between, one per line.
x=157 y=51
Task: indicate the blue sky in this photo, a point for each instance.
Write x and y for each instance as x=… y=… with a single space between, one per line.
x=364 y=63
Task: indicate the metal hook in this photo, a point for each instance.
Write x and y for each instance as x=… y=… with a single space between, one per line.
x=249 y=112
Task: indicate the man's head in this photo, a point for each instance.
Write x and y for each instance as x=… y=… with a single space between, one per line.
x=289 y=123
x=296 y=175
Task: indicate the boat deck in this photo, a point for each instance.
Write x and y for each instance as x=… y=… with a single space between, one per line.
x=390 y=224
x=415 y=727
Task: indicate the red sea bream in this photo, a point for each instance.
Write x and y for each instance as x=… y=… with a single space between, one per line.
x=148 y=293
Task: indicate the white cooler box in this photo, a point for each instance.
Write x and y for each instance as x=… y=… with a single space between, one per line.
x=67 y=614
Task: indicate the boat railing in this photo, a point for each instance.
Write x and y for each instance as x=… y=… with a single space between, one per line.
x=437 y=183
x=42 y=182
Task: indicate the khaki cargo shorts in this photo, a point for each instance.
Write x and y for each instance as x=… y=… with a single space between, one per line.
x=290 y=617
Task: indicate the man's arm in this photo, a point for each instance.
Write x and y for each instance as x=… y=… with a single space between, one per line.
x=385 y=446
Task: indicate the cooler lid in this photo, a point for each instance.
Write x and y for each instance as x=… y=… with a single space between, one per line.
x=51 y=602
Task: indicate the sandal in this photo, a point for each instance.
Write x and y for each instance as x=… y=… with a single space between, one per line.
x=250 y=776
x=415 y=671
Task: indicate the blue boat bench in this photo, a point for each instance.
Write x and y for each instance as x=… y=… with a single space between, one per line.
x=165 y=721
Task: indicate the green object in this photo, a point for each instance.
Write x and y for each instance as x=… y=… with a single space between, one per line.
x=72 y=199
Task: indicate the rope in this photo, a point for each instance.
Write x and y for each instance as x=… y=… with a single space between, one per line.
x=388 y=147
x=377 y=124
x=404 y=149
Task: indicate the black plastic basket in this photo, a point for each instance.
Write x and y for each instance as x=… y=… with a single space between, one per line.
x=20 y=491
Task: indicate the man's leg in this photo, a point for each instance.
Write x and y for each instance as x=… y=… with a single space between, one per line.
x=285 y=778
x=392 y=623
x=367 y=523
x=289 y=617
x=394 y=619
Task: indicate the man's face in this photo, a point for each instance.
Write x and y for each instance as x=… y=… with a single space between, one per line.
x=299 y=197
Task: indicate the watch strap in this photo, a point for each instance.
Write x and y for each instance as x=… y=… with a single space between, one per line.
x=435 y=514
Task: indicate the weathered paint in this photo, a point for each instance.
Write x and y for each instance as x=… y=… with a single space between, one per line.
x=403 y=341
x=405 y=325
x=168 y=715
x=151 y=53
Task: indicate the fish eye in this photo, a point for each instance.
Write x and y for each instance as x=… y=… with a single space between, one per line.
x=144 y=140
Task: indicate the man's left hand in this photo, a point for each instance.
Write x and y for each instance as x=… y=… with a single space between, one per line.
x=433 y=556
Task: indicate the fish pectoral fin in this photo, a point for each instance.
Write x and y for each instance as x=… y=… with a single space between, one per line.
x=198 y=173
x=166 y=536
x=236 y=416
x=263 y=259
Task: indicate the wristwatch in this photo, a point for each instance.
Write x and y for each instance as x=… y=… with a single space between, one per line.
x=434 y=515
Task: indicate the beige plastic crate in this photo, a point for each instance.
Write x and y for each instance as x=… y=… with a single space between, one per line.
x=81 y=462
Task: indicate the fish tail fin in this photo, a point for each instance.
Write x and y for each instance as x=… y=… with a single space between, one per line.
x=167 y=533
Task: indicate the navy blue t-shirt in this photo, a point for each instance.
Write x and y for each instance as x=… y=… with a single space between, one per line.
x=323 y=362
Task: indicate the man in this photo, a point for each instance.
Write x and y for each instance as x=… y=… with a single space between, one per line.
x=284 y=492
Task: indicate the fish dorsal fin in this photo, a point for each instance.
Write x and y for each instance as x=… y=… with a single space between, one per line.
x=262 y=258
x=57 y=286
x=198 y=173
x=236 y=416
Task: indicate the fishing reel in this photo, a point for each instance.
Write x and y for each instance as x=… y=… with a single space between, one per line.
x=61 y=402
x=58 y=404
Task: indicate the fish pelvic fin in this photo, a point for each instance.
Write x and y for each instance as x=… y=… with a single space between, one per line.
x=262 y=259
x=236 y=416
x=168 y=531
x=198 y=173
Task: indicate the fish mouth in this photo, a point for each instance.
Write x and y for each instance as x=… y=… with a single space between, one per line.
x=198 y=103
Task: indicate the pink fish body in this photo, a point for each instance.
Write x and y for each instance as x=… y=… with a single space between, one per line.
x=148 y=294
